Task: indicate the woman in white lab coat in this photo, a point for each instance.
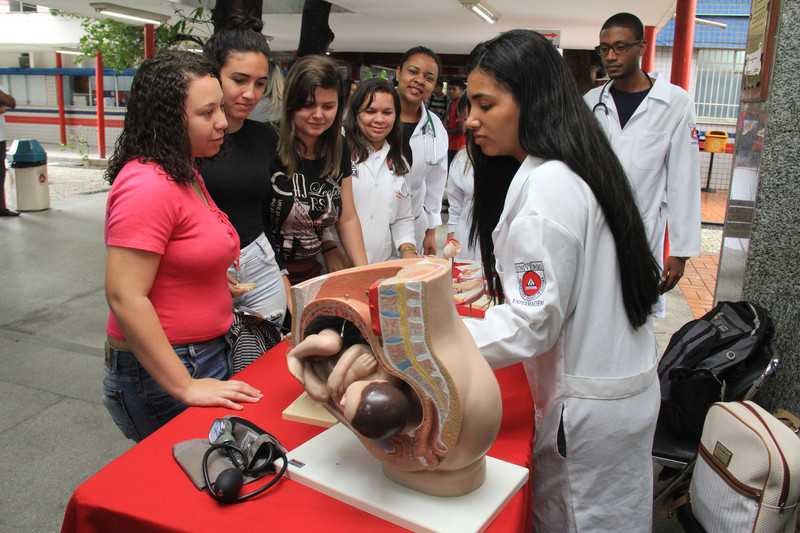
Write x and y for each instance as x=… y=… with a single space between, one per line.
x=460 y=190
x=424 y=143
x=380 y=192
x=564 y=247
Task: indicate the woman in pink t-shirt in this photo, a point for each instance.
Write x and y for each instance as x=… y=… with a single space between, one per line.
x=169 y=248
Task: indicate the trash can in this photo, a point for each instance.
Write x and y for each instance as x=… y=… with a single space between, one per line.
x=28 y=162
x=716 y=142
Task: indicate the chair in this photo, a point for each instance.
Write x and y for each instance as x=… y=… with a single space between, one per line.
x=677 y=456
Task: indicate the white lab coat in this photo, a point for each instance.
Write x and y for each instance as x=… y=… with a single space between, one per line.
x=383 y=203
x=564 y=319
x=428 y=174
x=460 y=190
x=659 y=151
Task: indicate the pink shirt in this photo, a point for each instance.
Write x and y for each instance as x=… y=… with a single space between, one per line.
x=148 y=211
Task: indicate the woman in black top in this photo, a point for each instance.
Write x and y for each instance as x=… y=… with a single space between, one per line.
x=311 y=191
x=238 y=177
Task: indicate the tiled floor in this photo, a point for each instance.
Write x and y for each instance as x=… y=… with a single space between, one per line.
x=713 y=205
x=698 y=283
x=700 y=277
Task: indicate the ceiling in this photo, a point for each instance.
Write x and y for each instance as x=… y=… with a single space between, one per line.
x=443 y=25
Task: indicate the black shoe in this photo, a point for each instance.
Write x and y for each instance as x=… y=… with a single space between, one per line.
x=4 y=212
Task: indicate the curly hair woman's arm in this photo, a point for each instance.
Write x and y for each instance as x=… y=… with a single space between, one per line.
x=129 y=278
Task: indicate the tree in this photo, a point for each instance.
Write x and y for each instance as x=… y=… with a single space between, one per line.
x=122 y=45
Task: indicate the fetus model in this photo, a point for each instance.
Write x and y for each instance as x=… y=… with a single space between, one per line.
x=383 y=349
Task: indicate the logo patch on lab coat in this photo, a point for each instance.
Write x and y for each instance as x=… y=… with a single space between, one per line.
x=531 y=279
x=695 y=136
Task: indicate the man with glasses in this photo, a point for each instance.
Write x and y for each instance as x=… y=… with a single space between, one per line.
x=650 y=124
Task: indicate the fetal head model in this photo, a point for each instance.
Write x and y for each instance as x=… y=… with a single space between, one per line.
x=384 y=350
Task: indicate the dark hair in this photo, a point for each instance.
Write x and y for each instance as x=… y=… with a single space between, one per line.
x=626 y=20
x=356 y=140
x=456 y=83
x=244 y=38
x=229 y=16
x=424 y=51
x=556 y=124
x=307 y=75
x=155 y=121
x=382 y=412
x=463 y=105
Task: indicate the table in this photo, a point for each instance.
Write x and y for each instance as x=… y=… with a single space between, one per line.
x=145 y=490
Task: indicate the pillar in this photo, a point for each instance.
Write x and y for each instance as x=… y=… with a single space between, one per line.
x=649 y=58
x=100 y=106
x=149 y=41
x=761 y=239
x=62 y=118
x=684 y=43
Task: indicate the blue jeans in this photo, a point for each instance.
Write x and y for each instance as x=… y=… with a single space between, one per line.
x=137 y=403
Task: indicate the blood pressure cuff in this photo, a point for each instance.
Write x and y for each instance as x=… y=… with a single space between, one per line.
x=189 y=455
x=257 y=447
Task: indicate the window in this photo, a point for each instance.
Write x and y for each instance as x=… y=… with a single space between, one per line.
x=14 y=6
x=718 y=87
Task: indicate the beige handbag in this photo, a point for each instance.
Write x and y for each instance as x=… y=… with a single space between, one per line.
x=747 y=476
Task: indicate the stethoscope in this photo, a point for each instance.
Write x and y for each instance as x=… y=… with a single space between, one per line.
x=602 y=104
x=429 y=132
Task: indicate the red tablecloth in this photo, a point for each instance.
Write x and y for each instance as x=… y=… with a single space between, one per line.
x=145 y=490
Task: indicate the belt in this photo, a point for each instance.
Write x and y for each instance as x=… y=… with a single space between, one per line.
x=118 y=344
x=114 y=348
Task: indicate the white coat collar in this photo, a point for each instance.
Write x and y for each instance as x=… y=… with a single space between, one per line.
x=423 y=120
x=382 y=151
x=660 y=91
x=376 y=157
x=517 y=185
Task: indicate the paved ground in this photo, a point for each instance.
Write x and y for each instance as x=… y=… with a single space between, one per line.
x=54 y=431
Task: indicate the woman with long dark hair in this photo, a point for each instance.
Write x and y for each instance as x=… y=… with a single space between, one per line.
x=380 y=191
x=310 y=198
x=460 y=190
x=168 y=250
x=238 y=178
x=424 y=143
x=564 y=249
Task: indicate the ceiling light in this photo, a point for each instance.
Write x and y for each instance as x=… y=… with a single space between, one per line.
x=713 y=23
x=481 y=9
x=69 y=52
x=129 y=14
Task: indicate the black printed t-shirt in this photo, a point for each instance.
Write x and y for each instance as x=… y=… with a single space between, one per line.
x=627 y=103
x=238 y=177
x=300 y=207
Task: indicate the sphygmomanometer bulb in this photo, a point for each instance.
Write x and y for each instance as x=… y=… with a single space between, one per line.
x=228 y=484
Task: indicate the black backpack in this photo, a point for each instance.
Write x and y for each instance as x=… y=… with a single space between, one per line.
x=714 y=358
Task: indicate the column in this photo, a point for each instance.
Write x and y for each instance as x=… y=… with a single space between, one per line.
x=684 y=43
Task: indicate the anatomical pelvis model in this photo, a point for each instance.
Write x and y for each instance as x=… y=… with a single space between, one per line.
x=384 y=350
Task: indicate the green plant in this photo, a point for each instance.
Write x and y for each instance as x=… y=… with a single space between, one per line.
x=122 y=45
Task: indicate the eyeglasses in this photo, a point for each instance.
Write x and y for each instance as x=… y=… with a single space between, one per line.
x=619 y=48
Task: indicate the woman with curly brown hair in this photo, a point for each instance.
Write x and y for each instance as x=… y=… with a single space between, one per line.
x=168 y=250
